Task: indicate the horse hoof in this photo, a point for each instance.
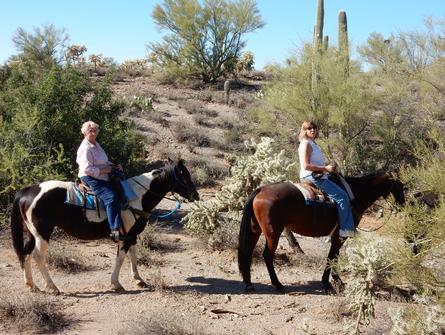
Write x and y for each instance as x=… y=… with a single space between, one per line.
x=118 y=289
x=34 y=289
x=142 y=284
x=329 y=289
x=249 y=288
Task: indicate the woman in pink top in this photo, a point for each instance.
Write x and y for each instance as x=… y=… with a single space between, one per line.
x=94 y=170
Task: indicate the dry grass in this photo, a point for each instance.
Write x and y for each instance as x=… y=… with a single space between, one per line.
x=35 y=314
x=161 y=324
x=205 y=171
x=194 y=137
x=66 y=260
x=225 y=237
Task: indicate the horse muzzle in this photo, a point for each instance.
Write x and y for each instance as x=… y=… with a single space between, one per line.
x=193 y=196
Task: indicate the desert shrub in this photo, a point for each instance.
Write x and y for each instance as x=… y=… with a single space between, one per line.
x=263 y=166
x=205 y=171
x=369 y=265
x=191 y=106
x=225 y=237
x=202 y=120
x=161 y=324
x=135 y=67
x=143 y=104
x=35 y=314
x=66 y=260
x=194 y=137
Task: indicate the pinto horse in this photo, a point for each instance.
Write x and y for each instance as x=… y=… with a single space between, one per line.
x=272 y=207
x=38 y=209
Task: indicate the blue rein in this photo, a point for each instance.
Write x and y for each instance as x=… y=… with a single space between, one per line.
x=166 y=215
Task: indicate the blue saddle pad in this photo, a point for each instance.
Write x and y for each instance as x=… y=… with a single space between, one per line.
x=74 y=196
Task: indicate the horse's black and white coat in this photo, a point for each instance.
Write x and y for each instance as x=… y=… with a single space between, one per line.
x=38 y=209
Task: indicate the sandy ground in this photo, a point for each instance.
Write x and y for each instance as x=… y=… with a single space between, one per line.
x=192 y=286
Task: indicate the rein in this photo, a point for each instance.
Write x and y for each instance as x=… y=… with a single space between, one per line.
x=379 y=227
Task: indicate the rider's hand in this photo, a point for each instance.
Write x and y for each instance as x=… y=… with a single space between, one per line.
x=330 y=168
x=119 y=167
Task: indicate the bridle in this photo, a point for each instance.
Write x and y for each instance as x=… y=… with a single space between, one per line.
x=173 y=181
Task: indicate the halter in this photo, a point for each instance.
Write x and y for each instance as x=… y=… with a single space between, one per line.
x=173 y=180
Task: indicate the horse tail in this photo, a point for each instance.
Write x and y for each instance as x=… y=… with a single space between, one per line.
x=245 y=246
x=17 y=226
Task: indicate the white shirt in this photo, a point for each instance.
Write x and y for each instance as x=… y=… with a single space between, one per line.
x=91 y=157
x=316 y=157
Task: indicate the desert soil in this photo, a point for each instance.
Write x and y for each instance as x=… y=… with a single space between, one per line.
x=191 y=286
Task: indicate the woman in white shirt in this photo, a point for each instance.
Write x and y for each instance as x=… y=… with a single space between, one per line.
x=313 y=168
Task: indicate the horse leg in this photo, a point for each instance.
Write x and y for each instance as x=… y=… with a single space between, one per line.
x=268 y=255
x=120 y=256
x=292 y=241
x=39 y=255
x=247 y=274
x=27 y=274
x=333 y=254
x=134 y=269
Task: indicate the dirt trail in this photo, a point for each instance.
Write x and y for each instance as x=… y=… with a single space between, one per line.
x=201 y=289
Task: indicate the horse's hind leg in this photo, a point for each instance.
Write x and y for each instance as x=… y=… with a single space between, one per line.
x=115 y=285
x=27 y=274
x=134 y=269
x=268 y=255
x=39 y=255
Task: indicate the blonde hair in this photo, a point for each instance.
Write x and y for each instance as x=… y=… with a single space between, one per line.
x=87 y=126
x=304 y=127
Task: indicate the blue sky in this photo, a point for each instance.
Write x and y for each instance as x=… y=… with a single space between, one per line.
x=122 y=29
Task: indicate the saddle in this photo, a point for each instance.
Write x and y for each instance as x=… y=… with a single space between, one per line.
x=312 y=194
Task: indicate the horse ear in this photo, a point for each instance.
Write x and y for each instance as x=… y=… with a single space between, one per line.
x=169 y=160
x=181 y=162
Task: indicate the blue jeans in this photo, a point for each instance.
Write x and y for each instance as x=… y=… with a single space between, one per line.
x=341 y=200
x=106 y=192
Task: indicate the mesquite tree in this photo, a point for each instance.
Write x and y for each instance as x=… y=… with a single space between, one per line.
x=205 y=39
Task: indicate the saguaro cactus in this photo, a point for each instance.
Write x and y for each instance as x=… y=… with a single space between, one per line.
x=318 y=29
x=227 y=84
x=343 y=43
x=325 y=42
x=317 y=43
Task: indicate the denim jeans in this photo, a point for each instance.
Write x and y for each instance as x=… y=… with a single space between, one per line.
x=106 y=192
x=341 y=199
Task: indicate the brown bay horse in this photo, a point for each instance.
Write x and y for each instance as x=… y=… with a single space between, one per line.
x=273 y=207
x=38 y=209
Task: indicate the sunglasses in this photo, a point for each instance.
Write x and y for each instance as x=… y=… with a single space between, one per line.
x=312 y=128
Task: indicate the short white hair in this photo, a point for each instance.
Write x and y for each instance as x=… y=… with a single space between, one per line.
x=87 y=126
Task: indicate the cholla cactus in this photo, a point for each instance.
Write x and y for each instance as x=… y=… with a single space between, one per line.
x=95 y=59
x=368 y=263
x=144 y=104
x=262 y=167
x=75 y=53
x=135 y=67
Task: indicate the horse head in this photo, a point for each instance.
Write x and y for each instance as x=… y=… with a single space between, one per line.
x=182 y=183
x=396 y=188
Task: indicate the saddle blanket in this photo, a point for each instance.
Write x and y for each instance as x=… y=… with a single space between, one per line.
x=75 y=196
